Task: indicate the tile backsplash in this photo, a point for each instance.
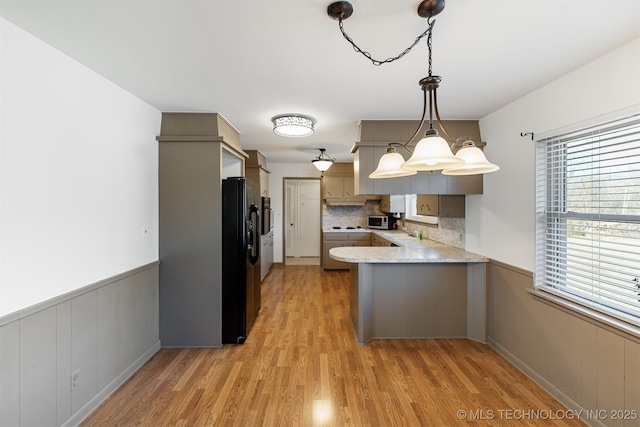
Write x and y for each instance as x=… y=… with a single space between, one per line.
x=349 y=216
x=449 y=231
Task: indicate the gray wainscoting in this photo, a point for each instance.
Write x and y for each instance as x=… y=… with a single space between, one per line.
x=101 y=333
x=584 y=365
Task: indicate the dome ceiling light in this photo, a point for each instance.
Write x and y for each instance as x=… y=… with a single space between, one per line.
x=433 y=152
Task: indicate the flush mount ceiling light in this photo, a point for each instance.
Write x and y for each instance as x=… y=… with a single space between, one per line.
x=432 y=152
x=323 y=161
x=293 y=125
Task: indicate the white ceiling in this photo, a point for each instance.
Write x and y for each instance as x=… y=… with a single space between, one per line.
x=251 y=60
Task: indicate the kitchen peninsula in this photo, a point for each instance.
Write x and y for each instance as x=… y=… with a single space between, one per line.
x=415 y=289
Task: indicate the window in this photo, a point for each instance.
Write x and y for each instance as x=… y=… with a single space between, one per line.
x=588 y=210
x=411 y=211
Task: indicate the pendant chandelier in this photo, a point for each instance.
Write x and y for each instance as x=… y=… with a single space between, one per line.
x=433 y=152
x=323 y=161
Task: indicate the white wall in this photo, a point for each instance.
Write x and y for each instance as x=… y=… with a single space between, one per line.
x=78 y=177
x=279 y=171
x=500 y=223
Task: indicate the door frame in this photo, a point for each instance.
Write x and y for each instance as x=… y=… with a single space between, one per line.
x=284 y=210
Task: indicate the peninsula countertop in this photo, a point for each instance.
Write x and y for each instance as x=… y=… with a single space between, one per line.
x=409 y=250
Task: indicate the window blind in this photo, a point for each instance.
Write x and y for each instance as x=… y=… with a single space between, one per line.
x=588 y=217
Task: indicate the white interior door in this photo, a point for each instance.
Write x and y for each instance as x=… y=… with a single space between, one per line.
x=302 y=218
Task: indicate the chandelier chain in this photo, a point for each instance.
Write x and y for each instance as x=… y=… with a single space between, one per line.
x=429 y=43
x=390 y=59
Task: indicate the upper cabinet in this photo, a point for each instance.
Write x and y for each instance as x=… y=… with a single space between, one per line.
x=392 y=203
x=256 y=170
x=440 y=206
x=338 y=185
x=375 y=135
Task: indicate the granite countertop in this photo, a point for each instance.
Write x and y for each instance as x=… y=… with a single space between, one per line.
x=409 y=250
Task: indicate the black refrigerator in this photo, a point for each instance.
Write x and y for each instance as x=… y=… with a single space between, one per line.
x=240 y=258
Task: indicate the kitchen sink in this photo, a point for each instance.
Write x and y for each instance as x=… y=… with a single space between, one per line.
x=399 y=236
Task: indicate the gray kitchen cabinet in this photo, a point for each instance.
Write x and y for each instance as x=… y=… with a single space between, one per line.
x=392 y=203
x=339 y=239
x=338 y=185
x=380 y=241
x=338 y=181
x=334 y=187
x=266 y=254
x=196 y=151
x=375 y=135
x=256 y=170
x=440 y=206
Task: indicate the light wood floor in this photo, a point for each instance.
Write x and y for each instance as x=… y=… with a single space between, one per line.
x=301 y=366
x=302 y=261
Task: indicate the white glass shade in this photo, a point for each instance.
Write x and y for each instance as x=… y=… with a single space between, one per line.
x=293 y=125
x=322 y=165
x=389 y=166
x=432 y=153
x=474 y=163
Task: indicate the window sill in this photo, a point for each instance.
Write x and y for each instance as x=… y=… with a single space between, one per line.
x=433 y=220
x=595 y=317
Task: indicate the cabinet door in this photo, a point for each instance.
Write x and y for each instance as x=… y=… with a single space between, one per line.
x=440 y=206
x=452 y=207
x=333 y=186
x=264 y=183
x=385 y=204
x=348 y=186
x=379 y=241
x=329 y=263
x=376 y=241
x=427 y=204
x=392 y=203
x=360 y=238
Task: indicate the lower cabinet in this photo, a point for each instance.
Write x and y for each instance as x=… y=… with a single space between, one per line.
x=266 y=254
x=336 y=240
x=380 y=241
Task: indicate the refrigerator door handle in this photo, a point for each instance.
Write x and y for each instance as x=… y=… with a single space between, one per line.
x=249 y=228
x=254 y=235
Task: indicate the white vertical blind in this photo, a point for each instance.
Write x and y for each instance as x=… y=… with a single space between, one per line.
x=588 y=213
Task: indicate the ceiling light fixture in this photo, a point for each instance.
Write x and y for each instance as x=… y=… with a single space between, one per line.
x=323 y=161
x=390 y=166
x=432 y=152
x=293 y=125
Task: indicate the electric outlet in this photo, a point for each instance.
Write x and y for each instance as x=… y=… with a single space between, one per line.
x=75 y=380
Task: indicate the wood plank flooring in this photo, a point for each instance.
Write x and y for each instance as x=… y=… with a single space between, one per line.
x=301 y=366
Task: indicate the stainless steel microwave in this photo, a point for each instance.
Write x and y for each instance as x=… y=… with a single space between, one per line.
x=380 y=222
